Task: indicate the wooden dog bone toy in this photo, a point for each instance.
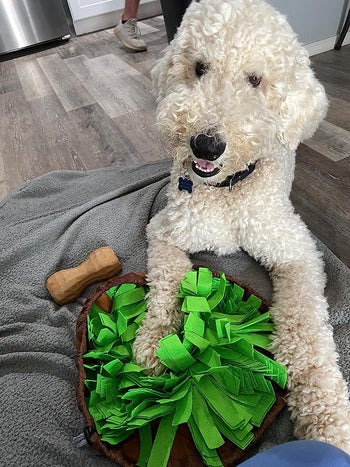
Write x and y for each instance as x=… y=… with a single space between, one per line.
x=66 y=285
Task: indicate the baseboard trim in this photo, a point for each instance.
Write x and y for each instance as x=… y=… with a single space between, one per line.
x=108 y=20
x=324 y=45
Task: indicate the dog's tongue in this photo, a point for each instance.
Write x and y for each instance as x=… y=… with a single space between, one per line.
x=206 y=166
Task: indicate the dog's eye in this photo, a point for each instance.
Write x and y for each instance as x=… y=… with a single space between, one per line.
x=201 y=68
x=254 y=80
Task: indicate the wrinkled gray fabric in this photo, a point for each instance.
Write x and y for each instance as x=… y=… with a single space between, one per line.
x=55 y=222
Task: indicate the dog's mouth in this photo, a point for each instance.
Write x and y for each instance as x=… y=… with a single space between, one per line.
x=204 y=168
x=208 y=171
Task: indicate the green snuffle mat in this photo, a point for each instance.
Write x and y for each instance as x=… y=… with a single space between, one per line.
x=218 y=378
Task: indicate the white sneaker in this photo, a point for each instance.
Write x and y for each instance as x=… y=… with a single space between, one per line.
x=130 y=35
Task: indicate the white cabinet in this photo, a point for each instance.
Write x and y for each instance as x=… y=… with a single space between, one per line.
x=81 y=9
x=91 y=15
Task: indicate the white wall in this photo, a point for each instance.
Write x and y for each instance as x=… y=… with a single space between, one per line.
x=315 y=21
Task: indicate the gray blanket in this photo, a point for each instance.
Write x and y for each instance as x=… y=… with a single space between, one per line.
x=54 y=222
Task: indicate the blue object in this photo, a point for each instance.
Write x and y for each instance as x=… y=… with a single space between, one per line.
x=304 y=453
x=185 y=184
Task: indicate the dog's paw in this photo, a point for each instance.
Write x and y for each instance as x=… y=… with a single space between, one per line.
x=145 y=355
x=320 y=407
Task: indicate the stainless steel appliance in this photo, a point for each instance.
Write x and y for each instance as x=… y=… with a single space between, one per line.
x=24 y=23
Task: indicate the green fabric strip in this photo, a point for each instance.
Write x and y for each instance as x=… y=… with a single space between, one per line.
x=145 y=434
x=173 y=354
x=204 y=421
x=209 y=456
x=163 y=442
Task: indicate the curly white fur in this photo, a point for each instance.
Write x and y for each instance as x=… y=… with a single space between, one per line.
x=234 y=40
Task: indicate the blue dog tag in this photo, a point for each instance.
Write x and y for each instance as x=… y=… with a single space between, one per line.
x=185 y=184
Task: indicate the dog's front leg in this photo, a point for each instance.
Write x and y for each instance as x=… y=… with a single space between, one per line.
x=167 y=266
x=318 y=396
x=317 y=393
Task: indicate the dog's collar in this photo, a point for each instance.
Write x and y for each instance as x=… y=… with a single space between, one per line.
x=231 y=180
x=185 y=183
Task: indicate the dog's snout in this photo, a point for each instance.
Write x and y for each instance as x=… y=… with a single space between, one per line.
x=208 y=147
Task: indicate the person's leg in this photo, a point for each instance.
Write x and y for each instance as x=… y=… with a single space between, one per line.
x=304 y=453
x=127 y=30
x=173 y=11
x=130 y=9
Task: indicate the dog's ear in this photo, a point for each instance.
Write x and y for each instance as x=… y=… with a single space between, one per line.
x=305 y=104
x=160 y=73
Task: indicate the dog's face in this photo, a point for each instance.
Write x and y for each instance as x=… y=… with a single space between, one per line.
x=233 y=87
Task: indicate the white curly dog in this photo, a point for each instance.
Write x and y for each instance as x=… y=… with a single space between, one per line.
x=236 y=95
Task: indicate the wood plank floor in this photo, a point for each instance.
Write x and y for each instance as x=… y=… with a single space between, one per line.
x=87 y=103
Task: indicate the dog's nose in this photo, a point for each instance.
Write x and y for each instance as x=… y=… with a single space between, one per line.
x=207 y=147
